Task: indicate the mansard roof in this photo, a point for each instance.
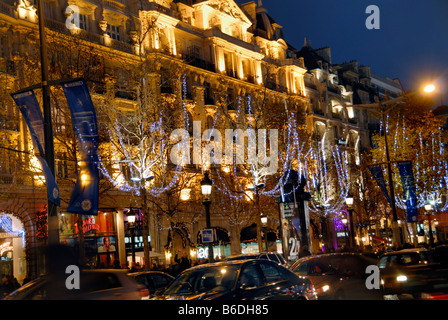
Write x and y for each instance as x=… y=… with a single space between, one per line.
x=311 y=57
x=270 y=29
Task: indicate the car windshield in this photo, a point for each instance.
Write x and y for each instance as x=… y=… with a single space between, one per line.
x=216 y=278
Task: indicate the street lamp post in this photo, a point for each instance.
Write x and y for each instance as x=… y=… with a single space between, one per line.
x=206 y=188
x=52 y=215
x=349 y=201
x=131 y=226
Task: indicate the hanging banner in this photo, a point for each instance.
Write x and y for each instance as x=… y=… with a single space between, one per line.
x=408 y=183
x=377 y=173
x=84 y=197
x=30 y=109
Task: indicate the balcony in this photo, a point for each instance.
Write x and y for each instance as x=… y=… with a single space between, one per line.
x=198 y=63
x=216 y=32
x=270 y=84
x=292 y=62
x=152 y=6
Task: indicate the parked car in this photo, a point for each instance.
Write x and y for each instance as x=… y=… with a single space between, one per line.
x=94 y=285
x=256 y=279
x=338 y=276
x=273 y=256
x=415 y=273
x=154 y=281
x=404 y=257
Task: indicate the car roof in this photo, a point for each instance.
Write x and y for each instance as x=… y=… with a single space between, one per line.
x=409 y=250
x=147 y=272
x=243 y=255
x=228 y=263
x=120 y=271
x=336 y=254
x=325 y=255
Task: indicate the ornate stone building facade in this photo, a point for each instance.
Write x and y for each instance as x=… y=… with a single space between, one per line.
x=210 y=57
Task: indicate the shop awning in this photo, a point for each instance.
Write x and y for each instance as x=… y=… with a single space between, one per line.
x=375 y=238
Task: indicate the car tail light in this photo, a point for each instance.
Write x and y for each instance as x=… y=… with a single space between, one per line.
x=434 y=296
x=312 y=288
x=144 y=293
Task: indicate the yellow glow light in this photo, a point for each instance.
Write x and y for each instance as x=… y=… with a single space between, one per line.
x=430 y=88
x=185 y=194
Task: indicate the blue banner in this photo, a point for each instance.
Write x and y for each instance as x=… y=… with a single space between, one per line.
x=377 y=172
x=30 y=109
x=84 y=197
x=408 y=184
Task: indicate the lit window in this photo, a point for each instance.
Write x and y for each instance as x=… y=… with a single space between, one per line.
x=83 y=22
x=113 y=32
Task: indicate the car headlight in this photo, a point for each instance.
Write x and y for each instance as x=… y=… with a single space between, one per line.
x=323 y=289
x=402 y=278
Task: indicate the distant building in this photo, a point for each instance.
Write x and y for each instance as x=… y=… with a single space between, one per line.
x=367 y=88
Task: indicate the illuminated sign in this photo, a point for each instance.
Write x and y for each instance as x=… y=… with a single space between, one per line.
x=88 y=225
x=5 y=247
x=207 y=235
x=203 y=253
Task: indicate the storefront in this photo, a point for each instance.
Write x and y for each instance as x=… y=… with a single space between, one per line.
x=341 y=230
x=99 y=237
x=12 y=247
x=221 y=245
x=249 y=243
x=178 y=242
x=133 y=240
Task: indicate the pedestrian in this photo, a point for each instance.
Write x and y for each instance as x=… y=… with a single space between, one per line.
x=133 y=268
x=116 y=264
x=183 y=262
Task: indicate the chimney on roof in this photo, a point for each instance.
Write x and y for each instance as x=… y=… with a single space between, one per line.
x=306 y=43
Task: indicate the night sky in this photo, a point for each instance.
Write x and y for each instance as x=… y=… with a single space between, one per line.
x=411 y=44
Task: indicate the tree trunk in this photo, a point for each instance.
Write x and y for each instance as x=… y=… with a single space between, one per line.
x=146 y=251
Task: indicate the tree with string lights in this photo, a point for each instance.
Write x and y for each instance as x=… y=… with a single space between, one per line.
x=136 y=144
x=324 y=165
x=415 y=134
x=254 y=172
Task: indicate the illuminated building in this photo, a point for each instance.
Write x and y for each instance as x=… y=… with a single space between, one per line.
x=226 y=52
